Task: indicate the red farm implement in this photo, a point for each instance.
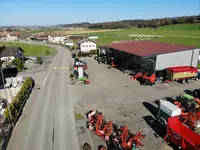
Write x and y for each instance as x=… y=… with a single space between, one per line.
x=119 y=137
x=181 y=135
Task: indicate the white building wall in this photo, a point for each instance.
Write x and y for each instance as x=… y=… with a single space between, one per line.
x=8 y=59
x=11 y=38
x=87 y=46
x=183 y=58
x=195 y=57
x=56 y=39
x=69 y=44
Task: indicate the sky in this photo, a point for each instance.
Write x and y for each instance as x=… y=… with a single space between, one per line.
x=52 y=12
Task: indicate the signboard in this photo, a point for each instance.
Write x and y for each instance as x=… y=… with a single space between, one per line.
x=80 y=72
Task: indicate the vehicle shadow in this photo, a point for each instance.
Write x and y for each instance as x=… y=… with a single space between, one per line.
x=160 y=130
x=151 y=108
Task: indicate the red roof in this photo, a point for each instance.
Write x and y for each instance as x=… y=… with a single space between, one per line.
x=147 y=48
x=183 y=69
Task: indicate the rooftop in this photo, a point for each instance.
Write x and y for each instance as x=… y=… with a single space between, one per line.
x=147 y=48
x=9 y=51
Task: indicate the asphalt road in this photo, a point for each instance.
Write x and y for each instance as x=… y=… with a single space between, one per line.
x=50 y=124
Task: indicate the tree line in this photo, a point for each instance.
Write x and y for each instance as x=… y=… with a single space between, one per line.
x=154 y=23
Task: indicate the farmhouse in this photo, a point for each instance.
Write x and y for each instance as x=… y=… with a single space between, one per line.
x=40 y=37
x=77 y=37
x=149 y=56
x=56 y=39
x=10 y=53
x=86 y=45
x=11 y=37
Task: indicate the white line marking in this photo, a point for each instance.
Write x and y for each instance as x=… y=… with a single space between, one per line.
x=46 y=78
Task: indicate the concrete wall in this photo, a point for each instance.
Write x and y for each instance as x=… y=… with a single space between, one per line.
x=183 y=58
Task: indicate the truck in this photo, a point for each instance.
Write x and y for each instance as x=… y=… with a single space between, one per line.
x=166 y=110
x=181 y=135
x=181 y=73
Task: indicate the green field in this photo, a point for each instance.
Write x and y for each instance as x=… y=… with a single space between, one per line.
x=184 y=34
x=31 y=49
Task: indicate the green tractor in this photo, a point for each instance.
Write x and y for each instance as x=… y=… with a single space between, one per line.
x=102 y=58
x=188 y=102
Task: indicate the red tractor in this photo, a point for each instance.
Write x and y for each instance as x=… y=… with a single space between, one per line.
x=145 y=78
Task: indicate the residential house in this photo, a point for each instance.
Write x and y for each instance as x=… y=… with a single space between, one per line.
x=43 y=37
x=23 y=36
x=11 y=37
x=56 y=39
x=9 y=53
x=87 y=45
x=77 y=37
x=68 y=42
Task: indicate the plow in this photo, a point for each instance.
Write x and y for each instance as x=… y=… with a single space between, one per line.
x=116 y=137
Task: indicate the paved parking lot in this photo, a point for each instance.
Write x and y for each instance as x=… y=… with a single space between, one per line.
x=125 y=102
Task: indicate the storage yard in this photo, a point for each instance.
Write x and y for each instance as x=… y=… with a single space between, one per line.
x=124 y=102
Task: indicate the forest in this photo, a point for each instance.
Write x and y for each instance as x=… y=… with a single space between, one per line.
x=153 y=23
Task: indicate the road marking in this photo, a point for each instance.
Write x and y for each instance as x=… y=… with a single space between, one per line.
x=59 y=68
x=46 y=77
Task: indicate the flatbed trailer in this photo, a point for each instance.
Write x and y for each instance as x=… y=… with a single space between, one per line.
x=181 y=135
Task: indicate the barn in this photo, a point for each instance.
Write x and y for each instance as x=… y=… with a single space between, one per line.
x=150 y=56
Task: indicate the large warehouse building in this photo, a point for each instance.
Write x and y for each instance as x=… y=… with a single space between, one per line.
x=149 y=56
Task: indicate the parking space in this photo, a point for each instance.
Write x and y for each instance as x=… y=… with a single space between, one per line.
x=125 y=102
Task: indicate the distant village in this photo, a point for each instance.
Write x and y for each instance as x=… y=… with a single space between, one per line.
x=84 y=43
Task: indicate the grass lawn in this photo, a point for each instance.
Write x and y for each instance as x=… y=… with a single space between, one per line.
x=184 y=34
x=31 y=49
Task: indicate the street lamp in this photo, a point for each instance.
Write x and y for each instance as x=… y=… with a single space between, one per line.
x=8 y=105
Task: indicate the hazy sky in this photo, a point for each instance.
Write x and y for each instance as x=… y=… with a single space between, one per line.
x=50 y=12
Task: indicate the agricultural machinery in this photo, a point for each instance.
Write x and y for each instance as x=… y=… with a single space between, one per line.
x=102 y=58
x=146 y=78
x=117 y=137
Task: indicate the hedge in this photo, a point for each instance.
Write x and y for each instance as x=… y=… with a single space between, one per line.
x=19 y=99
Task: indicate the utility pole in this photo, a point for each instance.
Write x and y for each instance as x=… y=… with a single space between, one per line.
x=8 y=105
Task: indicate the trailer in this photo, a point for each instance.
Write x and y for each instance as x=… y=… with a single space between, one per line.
x=181 y=135
x=181 y=73
x=166 y=110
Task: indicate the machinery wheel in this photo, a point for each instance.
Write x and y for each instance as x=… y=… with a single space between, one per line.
x=195 y=93
x=188 y=80
x=183 y=81
x=161 y=121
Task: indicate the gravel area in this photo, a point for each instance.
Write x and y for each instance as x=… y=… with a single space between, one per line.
x=125 y=102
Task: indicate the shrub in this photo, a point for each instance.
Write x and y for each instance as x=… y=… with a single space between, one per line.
x=13 y=111
x=71 y=75
x=19 y=63
x=47 y=52
x=39 y=60
x=19 y=98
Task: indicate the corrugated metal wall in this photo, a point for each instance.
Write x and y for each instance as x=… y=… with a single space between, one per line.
x=183 y=58
x=195 y=57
